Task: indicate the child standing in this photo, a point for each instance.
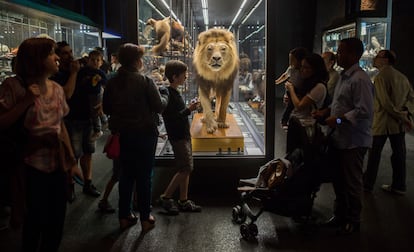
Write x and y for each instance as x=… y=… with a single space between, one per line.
x=176 y=122
x=92 y=74
x=292 y=74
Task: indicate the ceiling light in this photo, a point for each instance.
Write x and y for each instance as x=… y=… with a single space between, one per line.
x=251 y=34
x=155 y=8
x=172 y=12
x=159 y=12
x=204 y=7
x=238 y=13
x=251 y=11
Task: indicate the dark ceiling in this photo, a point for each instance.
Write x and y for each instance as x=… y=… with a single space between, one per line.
x=221 y=12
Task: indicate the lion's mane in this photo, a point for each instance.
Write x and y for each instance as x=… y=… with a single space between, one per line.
x=230 y=58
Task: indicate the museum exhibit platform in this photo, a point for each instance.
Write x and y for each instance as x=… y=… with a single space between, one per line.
x=222 y=140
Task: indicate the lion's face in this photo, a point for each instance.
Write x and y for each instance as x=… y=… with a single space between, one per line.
x=215 y=55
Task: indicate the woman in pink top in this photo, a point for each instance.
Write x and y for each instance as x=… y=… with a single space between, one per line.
x=46 y=177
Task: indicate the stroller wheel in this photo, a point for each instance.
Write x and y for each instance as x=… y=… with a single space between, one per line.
x=238 y=215
x=249 y=231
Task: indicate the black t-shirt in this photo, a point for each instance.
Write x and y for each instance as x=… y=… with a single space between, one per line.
x=87 y=90
x=175 y=117
x=61 y=77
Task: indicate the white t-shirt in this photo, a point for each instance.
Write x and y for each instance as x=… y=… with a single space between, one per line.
x=317 y=95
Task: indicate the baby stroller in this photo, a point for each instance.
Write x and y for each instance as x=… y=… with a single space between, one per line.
x=284 y=186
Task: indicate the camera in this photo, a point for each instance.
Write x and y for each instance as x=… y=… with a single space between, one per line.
x=194 y=100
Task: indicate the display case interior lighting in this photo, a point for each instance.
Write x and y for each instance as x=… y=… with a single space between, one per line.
x=253 y=33
x=237 y=14
x=251 y=11
x=172 y=12
x=155 y=8
x=204 y=7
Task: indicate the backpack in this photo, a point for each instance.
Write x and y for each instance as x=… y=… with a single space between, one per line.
x=13 y=139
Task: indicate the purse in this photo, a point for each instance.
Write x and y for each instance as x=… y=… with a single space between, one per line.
x=112 y=147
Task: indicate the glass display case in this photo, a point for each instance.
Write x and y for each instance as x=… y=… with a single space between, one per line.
x=374 y=35
x=19 y=22
x=331 y=37
x=373 y=32
x=247 y=99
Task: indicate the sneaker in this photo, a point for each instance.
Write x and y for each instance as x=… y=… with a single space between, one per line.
x=169 y=205
x=388 y=188
x=188 y=206
x=91 y=190
x=78 y=180
x=105 y=207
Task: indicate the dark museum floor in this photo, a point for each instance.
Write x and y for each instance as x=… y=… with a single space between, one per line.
x=387 y=219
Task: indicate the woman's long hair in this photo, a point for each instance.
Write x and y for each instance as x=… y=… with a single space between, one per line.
x=31 y=56
x=320 y=74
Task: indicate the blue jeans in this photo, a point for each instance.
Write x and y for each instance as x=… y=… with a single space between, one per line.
x=80 y=133
x=137 y=161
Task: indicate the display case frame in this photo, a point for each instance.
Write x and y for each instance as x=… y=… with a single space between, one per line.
x=248 y=115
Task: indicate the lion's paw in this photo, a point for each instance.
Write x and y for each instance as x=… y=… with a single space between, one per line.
x=211 y=130
x=222 y=125
x=211 y=127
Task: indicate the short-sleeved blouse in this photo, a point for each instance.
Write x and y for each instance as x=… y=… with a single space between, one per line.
x=317 y=95
x=43 y=117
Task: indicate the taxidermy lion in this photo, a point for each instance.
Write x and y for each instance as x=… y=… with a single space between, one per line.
x=216 y=63
x=167 y=31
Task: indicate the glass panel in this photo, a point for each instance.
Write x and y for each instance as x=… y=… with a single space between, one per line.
x=18 y=23
x=374 y=36
x=331 y=38
x=246 y=108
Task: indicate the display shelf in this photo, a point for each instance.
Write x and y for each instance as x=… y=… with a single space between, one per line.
x=249 y=121
x=222 y=140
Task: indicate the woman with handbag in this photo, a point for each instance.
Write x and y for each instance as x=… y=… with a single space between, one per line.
x=133 y=102
x=46 y=157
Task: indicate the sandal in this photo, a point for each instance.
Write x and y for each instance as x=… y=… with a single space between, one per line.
x=127 y=222
x=147 y=225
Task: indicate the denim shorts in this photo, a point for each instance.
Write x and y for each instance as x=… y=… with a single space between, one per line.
x=183 y=154
x=80 y=133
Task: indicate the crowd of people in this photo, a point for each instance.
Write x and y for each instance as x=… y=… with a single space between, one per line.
x=54 y=109
x=361 y=116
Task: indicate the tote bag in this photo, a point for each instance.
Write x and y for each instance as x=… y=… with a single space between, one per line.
x=112 y=147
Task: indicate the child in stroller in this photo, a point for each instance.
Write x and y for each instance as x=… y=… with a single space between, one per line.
x=284 y=186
